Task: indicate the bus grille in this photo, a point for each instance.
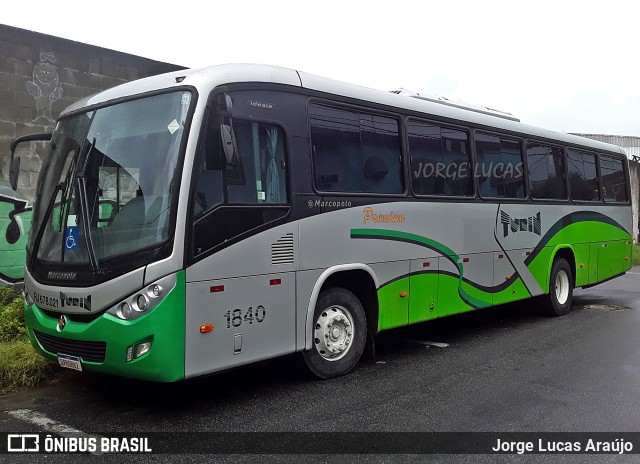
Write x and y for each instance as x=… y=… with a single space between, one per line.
x=88 y=351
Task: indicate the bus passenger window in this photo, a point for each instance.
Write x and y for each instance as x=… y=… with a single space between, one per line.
x=546 y=172
x=614 y=186
x=499 y=167
x=355 y=152
x=440 y=160
x=583 y=177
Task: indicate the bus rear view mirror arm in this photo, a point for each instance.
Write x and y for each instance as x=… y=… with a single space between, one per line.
x=14 y=168
x=229 y=144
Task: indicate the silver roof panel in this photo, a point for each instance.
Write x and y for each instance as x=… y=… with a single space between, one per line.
x=207 y=79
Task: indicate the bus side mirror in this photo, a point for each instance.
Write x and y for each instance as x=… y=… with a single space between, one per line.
x=14 y=167
x=14 y=171
x=229 y=145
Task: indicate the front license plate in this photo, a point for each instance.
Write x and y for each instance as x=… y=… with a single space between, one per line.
x=70 y=362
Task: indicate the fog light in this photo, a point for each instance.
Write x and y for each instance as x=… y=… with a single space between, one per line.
x=141 y=348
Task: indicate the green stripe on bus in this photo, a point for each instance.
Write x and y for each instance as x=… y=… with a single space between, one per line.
x=464 y=289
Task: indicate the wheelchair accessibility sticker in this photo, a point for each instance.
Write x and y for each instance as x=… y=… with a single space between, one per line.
x=71 y=238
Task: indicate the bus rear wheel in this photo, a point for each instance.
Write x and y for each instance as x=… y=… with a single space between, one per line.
x=339 y=334
x=560 y=288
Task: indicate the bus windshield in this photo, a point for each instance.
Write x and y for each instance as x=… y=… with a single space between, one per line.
x=108 y=184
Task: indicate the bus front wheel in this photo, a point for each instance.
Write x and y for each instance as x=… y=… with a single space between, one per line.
x=339 y=334
x=560 y=288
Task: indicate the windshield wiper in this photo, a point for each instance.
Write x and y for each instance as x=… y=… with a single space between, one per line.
x=65 y=192
x=81 y=188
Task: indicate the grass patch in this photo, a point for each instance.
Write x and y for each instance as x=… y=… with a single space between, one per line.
x=635 y=255
x=20 y=365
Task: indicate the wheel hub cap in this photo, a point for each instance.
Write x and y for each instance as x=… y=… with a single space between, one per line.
x=333 y=332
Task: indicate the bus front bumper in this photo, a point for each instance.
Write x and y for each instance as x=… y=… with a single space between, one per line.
x=107 y=344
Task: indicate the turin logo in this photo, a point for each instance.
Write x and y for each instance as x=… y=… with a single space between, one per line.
x=531 y=224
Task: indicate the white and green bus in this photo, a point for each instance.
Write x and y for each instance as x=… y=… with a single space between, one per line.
x=196 y=221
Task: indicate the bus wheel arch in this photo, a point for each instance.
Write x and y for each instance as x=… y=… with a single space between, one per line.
x=349 y=292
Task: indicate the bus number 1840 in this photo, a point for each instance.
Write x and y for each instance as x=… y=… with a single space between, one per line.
x=235 y=317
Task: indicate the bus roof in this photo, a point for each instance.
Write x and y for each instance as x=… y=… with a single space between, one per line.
x=206 y=79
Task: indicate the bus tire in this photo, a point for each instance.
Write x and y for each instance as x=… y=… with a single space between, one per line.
x=339 y=334
x=560 y=289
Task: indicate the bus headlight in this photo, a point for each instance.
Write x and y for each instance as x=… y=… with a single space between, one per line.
x=144 y=300
x=124 y=310
x=141 y=302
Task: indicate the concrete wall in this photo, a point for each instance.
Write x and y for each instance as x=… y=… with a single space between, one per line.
x=40 y=75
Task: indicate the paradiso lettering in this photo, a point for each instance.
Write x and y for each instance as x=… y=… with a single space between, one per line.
x=370 y=215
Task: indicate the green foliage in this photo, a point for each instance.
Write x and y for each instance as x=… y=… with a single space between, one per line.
x=7 y=295
x=12 y=326
x=635 y=255
x=21 y=367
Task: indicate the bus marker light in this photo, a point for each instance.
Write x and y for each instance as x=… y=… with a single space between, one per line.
x=216 y=288
x=206 y=328
x=426 y=264
x=507 y=277
x=581 y=265
x=528 y=253
x=465 y=260
x=156 y=290
x=500 y=256
x=403 y=294
x=626 y=258
x=275 y=281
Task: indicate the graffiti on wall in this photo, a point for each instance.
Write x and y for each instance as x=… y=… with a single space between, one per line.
x=44 y=87
x=16 y=208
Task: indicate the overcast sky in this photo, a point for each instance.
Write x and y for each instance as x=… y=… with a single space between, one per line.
x=563 y=65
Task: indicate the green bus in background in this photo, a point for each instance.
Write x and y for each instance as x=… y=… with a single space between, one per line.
x=15 y=223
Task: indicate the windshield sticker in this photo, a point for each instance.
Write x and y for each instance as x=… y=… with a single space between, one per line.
x=173 y=126
x=262 y=196
x=186 y=98
x=71 y=238
x=71 y=220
